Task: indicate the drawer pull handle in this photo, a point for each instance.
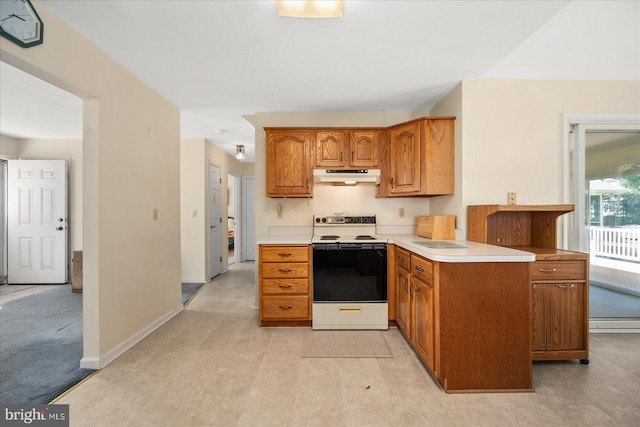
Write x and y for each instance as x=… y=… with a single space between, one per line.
x=567 y=286
x=285 y=271
x=547 y=270
x=285 y=286
x=350 y=309
x=419 y=269
x=285 y=307
x=285 y=254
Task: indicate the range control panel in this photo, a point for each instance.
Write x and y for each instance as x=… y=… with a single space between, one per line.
x=340 y=219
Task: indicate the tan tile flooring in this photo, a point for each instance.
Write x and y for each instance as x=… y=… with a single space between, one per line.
x=212 y=365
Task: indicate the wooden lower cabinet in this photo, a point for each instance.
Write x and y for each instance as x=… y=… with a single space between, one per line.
x=403 y=289
x=560 y=309
x=285 y=285
x=423 y=329
x=469 y=323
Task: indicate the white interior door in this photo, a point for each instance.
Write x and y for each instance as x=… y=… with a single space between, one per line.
x=215 y=219
x=37 y=221
x=248 y=218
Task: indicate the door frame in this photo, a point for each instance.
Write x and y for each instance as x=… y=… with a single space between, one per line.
x=4 y=215
x=574 y=128
x=210 y=272
x=248 y=205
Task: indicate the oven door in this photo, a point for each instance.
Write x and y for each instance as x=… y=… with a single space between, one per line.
x=349 y=273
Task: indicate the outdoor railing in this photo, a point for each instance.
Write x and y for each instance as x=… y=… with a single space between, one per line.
x=616 y=243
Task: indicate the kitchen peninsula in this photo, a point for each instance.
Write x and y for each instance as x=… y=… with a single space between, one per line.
x=466 y=310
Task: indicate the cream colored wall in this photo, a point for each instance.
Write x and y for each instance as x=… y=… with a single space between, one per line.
x=192 y=199
x=8 y=147
x=328 y=199
x=71 y=151
x=131 y=155
x=512 y=135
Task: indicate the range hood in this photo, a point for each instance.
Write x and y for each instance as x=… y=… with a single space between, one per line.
x=346 y=176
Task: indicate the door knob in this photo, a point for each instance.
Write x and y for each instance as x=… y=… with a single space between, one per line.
x=59 y=228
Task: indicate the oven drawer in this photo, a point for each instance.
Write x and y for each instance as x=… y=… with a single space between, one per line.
x=557 y=270
x=422 y=269
x=289 y=307
x=284 y=254
x=403 y=258
x=285 y=270
x=351 y=316
x=285 y=286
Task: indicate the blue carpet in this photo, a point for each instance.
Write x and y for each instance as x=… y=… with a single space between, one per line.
x=40 y=346
x=188 y=290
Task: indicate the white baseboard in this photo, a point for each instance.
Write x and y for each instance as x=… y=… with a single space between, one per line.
x=610 y=326
x=114 y=353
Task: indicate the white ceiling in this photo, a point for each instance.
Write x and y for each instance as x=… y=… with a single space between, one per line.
x=221 y=61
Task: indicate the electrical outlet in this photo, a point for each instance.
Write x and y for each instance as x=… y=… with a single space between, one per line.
x=401 y=212
x=511 y=198
x=279 y=211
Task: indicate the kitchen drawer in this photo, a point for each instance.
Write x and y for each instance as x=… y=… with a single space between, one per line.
x=289 y=307
x=277 y=270
x=422 y=269
x=557 y=270
x=285 y=286
x=284 y=254
x=403 y=258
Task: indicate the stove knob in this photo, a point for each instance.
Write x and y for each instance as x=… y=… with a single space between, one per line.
x=324 y=219
x=317 y=220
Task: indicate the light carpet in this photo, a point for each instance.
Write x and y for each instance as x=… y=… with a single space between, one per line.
x=356 y=344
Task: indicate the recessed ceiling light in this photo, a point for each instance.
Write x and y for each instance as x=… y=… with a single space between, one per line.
x=310 y=8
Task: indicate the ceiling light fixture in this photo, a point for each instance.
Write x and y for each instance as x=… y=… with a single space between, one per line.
x=310 y=8
x=240 y=152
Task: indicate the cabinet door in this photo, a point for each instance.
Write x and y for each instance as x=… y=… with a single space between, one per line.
x=289 y=163
x=363 y=148
x=330 y=147
x=564 y=313
x=422 y=322
x=539 y=333
x=439 y=162
x=405 y=159
x=403 y=307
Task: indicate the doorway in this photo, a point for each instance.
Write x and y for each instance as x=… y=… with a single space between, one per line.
x=604 y=180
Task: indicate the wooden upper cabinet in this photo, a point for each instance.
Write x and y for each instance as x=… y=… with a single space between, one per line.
x=363 y=148
x=290 y=160
x=420 y=158
x=405 y=159
x=347 y=148
x=330 y=146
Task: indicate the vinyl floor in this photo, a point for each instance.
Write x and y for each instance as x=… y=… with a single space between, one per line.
x=212 y=365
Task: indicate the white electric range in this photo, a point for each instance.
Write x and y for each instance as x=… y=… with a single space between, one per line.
x=349 y=273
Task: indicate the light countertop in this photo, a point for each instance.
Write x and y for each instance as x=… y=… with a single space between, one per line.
x=472 y=252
